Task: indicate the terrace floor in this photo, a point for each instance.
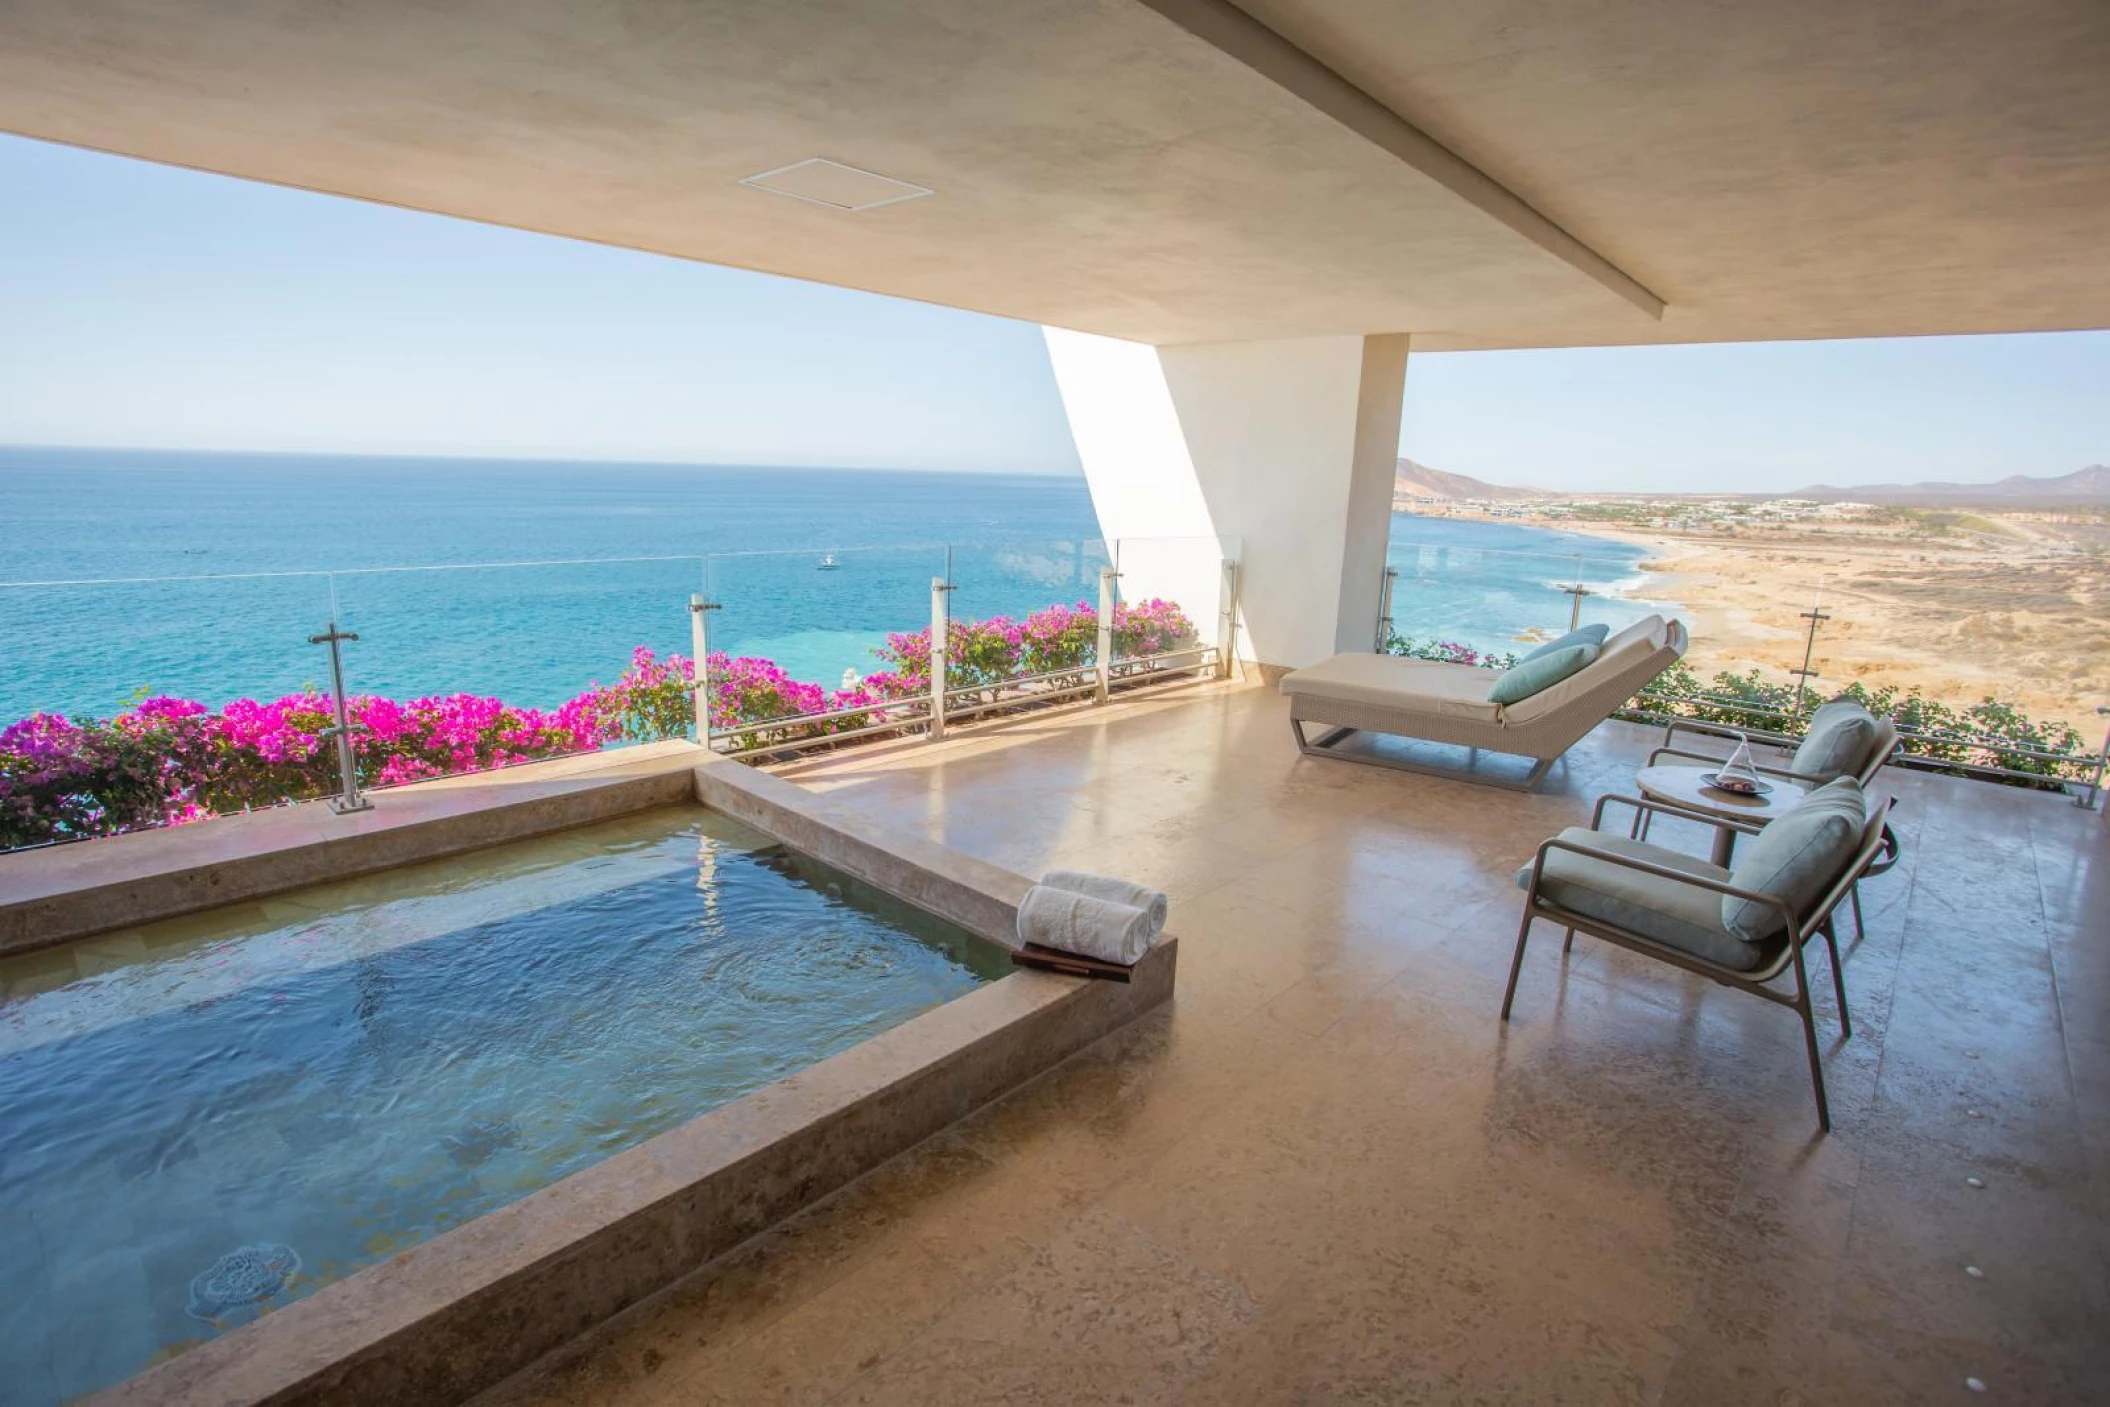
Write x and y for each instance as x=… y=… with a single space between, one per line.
x=1328 y=1172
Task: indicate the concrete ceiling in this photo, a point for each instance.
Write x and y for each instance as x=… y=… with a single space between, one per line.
x=1503 y=173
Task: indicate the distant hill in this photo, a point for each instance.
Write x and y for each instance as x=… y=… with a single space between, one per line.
x=1420 y=481
x=2083 y=488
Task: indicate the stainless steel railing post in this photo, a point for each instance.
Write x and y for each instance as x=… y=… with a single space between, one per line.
x=1384 y=608
x=700 y=609
x=2102 y=765
x=940 y=641
x=1103 y=653
x=348 y=797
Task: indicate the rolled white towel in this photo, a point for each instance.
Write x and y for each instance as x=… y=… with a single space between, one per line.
x=1114 y=891
x=1079 y=923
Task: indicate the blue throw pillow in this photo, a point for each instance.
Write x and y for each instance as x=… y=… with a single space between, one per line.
x=1541 y=671
x=1588 y=635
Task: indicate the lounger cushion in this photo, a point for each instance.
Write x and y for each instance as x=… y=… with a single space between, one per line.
x=1797 y=857
x=1838 y=742
x=1588 y=635
x=1387 y=681
x=1540 y=672
x=1680 y=916
x=1628 y=650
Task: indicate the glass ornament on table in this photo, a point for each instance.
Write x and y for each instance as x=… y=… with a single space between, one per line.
x=1739 y=774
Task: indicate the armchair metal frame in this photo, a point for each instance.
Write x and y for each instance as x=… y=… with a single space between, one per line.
x=1800 y=928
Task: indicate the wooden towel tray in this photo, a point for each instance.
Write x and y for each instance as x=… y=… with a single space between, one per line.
x=1069 y=964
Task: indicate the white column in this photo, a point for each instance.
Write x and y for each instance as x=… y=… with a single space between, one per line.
x=1287 y=446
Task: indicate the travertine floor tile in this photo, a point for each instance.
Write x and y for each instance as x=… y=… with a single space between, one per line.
x=1328 y=1173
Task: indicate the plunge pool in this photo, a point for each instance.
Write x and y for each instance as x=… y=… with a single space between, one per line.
x=209 y=1117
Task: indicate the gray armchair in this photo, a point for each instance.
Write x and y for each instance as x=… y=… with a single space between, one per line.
x=1678 y=909
x=1828 y=751
x=1885 y=745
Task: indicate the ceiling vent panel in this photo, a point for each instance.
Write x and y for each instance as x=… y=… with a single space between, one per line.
x=820 y=181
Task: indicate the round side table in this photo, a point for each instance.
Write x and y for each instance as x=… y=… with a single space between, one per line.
x=1682 y=786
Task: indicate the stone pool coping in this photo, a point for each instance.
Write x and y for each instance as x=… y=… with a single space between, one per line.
x=62 y=893
x=443 y=1320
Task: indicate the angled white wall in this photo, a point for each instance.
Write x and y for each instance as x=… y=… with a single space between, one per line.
x=1287 y=447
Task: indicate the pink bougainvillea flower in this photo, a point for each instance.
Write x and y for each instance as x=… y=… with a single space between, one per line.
x=170 y=761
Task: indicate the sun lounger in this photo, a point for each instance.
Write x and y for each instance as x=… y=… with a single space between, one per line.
x=1448 y=703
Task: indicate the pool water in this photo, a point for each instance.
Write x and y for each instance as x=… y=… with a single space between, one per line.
x=204 y=1119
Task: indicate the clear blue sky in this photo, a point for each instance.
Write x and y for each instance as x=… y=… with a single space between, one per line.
x=1765 y=415
x=146 y=305
x=143 y=305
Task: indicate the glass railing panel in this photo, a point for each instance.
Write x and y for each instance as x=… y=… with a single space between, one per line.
x=1024 y=620
x=1451 y=600
x=126 y=705
x=1475 y=603
x=465 y=668
x=1173 y=601
x=534 y=634
x=794 y=634
x=1616 y=591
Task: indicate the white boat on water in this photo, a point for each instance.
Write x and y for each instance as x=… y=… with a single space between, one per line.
x=828 y=562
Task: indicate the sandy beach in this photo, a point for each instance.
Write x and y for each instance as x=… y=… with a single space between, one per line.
x=2013 y=608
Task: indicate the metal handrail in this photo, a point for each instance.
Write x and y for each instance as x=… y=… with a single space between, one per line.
x=515 y=564
x=1202 y=653
x=888 y=725
x=357 y=571
x=916 y=706
x=1589 y=558
x=912 y=710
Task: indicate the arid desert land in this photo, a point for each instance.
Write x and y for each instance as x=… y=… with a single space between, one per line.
x=1960 y=606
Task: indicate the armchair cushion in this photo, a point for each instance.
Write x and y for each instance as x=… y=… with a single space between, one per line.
x=1540 y=672
x=1837 y=745
x=1681 y=916
x=1588 y=635
x=1796 y=857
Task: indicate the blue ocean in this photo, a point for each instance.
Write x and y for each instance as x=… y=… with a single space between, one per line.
x=1499 y=587
x=203 y=574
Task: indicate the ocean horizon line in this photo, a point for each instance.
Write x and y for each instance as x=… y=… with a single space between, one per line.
x=194 y=453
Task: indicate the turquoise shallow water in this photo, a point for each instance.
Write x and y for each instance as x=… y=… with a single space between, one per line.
x=342 y=1072
x=1502 y=586
x=247 y=539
